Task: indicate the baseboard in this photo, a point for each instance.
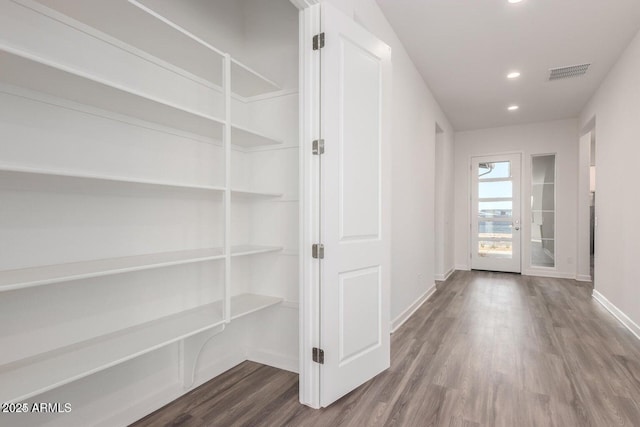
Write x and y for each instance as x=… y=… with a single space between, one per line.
x=617 y=313
x=279 y=361
x=212 y=370
x=156 y=401
x=142 y=408
x=443 y=277
x=408 y=312
x=583 y=278
x=549 y=273
x=462 y=267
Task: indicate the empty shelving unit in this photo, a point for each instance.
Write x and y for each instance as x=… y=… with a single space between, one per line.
x=150 y=199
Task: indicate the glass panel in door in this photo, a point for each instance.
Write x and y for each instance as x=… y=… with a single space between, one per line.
x=495 y=213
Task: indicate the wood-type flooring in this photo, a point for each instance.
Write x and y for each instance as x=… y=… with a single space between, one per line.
x=487 y=349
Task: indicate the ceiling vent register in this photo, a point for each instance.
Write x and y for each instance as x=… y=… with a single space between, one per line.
x=567 y=72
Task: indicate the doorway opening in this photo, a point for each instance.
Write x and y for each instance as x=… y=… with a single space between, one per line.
x=592 y=206
x=587 y=215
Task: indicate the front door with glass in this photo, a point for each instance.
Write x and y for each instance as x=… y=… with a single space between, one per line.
x=495 y=213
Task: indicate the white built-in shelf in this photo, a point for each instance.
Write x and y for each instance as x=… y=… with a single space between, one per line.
x=29 y=377
x=248 y=83
x=244 y=250
x=244 y=137
x=247 y=194
x=49 y=173
x=39 y=74
x=245 y=81
x=244 y=304
x=36 y=276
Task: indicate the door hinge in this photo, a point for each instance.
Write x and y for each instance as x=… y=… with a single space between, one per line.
x=318 y=41
x=317 y=251
x=318 y=355
x=318 y=146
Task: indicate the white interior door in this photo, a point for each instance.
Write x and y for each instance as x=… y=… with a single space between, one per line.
x=355 y=201
x=495 y=213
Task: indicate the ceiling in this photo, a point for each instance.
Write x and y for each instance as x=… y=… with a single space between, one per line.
x=465 y=48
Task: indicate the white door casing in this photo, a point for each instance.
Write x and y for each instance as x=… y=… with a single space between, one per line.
x=355 y=205
x=496 y=225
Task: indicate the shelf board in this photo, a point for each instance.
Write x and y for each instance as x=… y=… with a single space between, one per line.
x=244 y=304
x=34 y=73
x=244 y=137
x=31 y=377
x=246 y=194
x=245 y=81
x=48 y=173
x=37 y=276
x=244 y=250
x=248 y=83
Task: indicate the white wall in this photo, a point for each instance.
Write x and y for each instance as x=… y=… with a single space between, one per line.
x=615 y=107
x=559 y=137
x=415 y=113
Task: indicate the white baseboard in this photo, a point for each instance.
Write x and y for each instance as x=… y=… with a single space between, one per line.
x=583 y=277
x=142 y=408
x=156 y=401
x=212 y=370
x=617 y=313
x=408 y=312
x=279 y=361
x=549 y=273
x=462 y=267
x=443 y=277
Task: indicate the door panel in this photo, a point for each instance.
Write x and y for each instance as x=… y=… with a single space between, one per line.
x=360 y=105
x=360 y=329
x=354 y=223
x=495 y=213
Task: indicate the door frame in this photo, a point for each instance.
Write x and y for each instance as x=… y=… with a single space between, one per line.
x=524 y=225
x=309 y=289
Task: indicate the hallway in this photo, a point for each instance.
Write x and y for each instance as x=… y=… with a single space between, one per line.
x=487 y=349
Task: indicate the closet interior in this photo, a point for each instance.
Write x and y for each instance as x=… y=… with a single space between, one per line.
x=149 y=178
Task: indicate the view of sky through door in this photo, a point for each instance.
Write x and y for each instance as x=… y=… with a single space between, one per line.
x=495 y=210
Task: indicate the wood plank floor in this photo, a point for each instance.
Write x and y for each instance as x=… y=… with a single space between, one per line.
x=488 y=349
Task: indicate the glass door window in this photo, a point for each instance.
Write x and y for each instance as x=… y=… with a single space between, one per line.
x=543 y=213
x=495 y=220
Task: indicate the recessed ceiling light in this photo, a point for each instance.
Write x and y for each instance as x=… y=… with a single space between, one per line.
x=513 y=75
x=513 y=108
x=515 y=1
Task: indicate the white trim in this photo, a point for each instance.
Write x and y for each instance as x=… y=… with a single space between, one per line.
x=617 y=313
x=443 y=277
x=210 y=371
x=309 y=318
x=138 y=410
x=583 y=278
x=146 y=406
x=548 y=273
x=462 y=267
x=408 y=312
x=276 y=360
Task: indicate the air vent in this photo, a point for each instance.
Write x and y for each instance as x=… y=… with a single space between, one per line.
x=567 y=72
